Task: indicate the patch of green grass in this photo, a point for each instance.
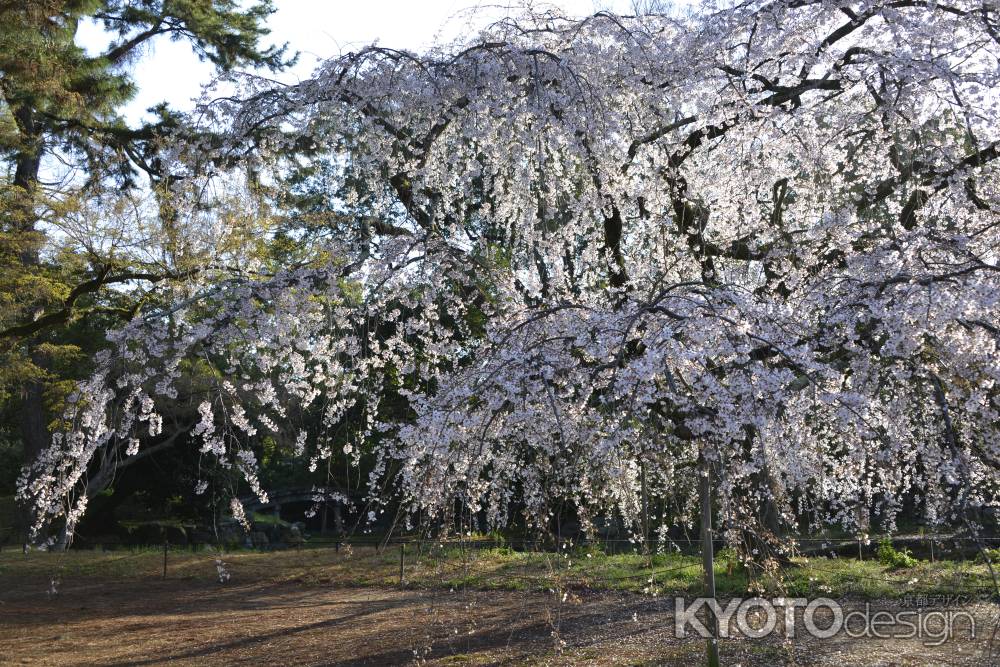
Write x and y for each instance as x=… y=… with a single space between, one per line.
x=500 y=568
x=839 y=577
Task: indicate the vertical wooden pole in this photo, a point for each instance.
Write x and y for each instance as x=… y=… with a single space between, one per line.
x=645 y=506
x=165 y=546
x=708 y=560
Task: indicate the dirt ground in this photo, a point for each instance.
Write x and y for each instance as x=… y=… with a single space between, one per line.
x=198 y=622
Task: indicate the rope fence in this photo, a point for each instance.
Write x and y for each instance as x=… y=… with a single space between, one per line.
x=465 y=562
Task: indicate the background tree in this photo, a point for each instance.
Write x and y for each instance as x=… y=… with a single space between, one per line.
x=75 y=202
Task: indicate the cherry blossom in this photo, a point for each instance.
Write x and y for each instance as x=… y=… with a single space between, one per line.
x=589 y=254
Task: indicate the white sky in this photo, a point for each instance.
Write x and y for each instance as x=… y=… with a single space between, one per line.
x=318 y=29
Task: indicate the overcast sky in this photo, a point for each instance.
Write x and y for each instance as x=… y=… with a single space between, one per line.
x=318 y=29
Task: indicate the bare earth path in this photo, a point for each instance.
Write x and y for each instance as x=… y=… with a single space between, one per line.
x=200 y=622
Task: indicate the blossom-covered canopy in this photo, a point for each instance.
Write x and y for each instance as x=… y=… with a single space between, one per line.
x=588 y=253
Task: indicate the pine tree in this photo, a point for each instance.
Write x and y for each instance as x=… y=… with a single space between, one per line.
x=63 y=142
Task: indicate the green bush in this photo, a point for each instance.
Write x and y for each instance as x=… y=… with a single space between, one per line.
x=992 y=554
x=894 y=558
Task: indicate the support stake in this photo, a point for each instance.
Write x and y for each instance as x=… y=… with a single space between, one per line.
x=708 y=560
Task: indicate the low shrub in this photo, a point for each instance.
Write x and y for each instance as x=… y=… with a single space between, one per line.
x=895 y=559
